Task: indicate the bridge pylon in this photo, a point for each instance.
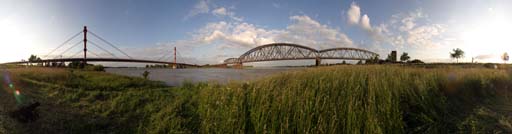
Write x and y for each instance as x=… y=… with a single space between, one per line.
x=85 y=45
x=174 y=66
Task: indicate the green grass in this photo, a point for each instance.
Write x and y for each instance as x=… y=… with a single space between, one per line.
x=339 y=99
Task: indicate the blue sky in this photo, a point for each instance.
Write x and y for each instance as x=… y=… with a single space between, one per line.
x=208 y=31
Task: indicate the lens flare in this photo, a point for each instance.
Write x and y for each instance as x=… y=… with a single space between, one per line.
x=17 y=93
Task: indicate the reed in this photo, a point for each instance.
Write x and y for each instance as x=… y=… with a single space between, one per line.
x=339 y=99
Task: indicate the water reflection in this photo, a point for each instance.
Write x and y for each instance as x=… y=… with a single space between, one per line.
x=176 y=77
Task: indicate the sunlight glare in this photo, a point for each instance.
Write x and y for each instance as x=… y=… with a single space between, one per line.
x=16 y=43
x=489 y=36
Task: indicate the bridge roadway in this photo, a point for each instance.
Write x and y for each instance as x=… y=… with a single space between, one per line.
x=103 y=60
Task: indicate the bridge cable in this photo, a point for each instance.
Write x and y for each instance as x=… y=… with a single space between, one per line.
x=164 y=59
x=102 y=48
x=110 y=44
x=168 y=59
x=65 y=42
x=179 y=55
x=76 y=54
x=164 y=55
x=76 y=44
x=161 y=58
x=94 y=54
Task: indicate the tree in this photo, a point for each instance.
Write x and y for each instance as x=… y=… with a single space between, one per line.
x=74 y=64
x=457 y=54
x=360 y=62
x=390 y=58
x=505 y=57
x=373 y=60
x=145 y=74
x=404 y=57
x=32 y=58
x=343 y=62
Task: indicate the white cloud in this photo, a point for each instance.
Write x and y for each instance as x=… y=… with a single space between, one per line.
x=241 y=36
x=303 y=30
x=354 y=18
x=354 y=13
x=424 y=35
x=222 y=12
x=204 y=6
x=199 y=8
x=365 y=23
x=309 y=32
x=403 y=29
x=408 y=21
x=411 y=31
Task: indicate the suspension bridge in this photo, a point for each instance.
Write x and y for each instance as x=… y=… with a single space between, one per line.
x=114 y=58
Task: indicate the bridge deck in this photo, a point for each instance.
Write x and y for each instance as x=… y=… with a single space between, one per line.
x=101 y=60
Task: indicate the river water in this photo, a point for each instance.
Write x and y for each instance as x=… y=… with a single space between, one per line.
x=176 y=77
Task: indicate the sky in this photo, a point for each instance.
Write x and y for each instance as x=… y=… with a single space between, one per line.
x=209 y=31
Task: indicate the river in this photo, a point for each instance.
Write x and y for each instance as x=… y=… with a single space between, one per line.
x=176 y=77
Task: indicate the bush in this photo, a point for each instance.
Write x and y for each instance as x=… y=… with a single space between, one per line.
x=490 y=65
x=98 y=68
x=75 y=64
x=416 y=61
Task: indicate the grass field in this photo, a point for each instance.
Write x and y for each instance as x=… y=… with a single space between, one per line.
x=338 y=99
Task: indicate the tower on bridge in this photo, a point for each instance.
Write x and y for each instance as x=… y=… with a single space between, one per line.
x=174 y=66
x=85 y=46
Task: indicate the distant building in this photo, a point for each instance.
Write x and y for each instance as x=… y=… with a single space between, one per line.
x=393 y=56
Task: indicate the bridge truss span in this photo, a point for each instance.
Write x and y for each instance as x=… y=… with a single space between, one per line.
x=278 y=51
x=287 y=51
x=346 y=53
x=231 y=60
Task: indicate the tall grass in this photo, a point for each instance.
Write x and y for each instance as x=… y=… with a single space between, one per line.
x=340 y=99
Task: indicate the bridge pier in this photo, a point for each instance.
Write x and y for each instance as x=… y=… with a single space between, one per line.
x=222 y=66
x=177 y=66
x=238 y=65
x=318 y=62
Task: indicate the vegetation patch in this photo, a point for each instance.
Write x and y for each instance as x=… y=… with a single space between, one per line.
x=338 y=99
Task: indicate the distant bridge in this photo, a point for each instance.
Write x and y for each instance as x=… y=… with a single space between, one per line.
x=286 y=51
x=48 y=61
x=85 y=51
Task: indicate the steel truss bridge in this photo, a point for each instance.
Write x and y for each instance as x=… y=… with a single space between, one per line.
x=286 y=51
